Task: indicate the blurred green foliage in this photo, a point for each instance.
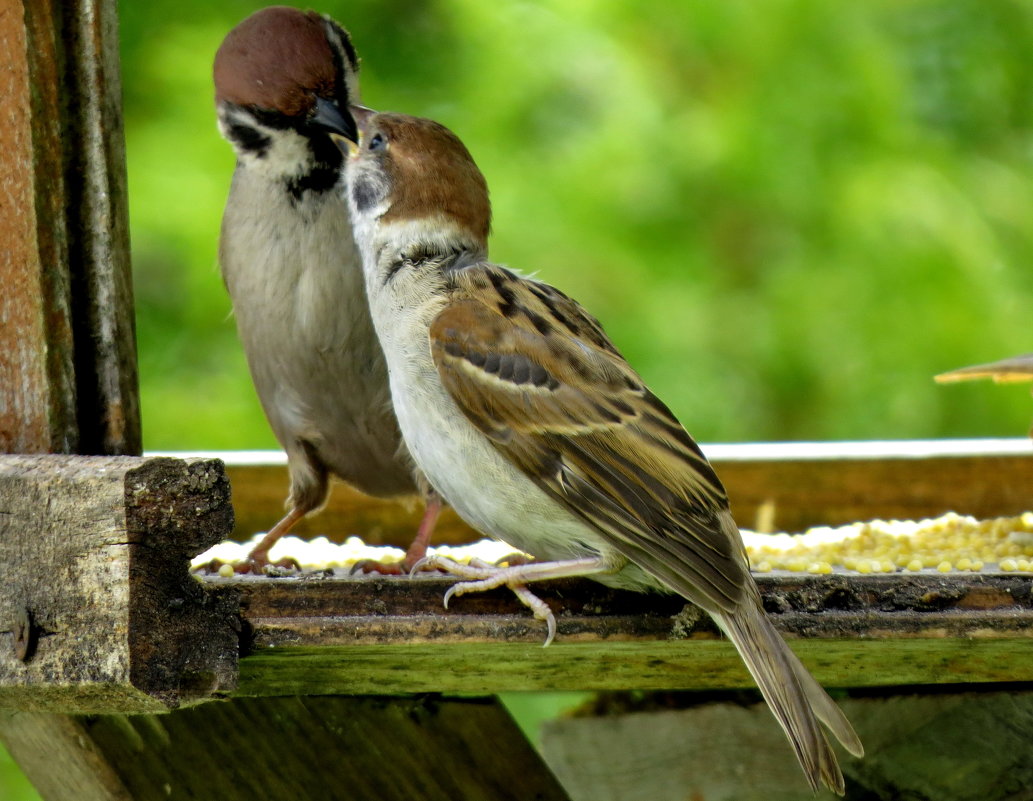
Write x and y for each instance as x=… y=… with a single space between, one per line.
x=13 y=784
x=789 y=214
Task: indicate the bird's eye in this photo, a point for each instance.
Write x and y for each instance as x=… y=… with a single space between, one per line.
x=377 y=142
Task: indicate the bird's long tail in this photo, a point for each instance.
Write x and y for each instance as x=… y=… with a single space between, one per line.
x=797 y=701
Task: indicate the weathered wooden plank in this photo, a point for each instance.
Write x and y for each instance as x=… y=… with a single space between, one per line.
x=68 y=379
x=327 y=635
x=97 y=610
x=955 y=746
x=322 y=610
x=351 y=749
x=568 y=665
x=37 y=374
x=793 y=486
x=58 y=757
x=772 y=486
x=97 y=205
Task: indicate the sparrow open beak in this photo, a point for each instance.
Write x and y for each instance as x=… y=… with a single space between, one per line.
x=334 y=120
x=362 y=116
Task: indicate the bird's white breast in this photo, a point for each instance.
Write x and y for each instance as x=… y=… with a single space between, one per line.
x=484 y=487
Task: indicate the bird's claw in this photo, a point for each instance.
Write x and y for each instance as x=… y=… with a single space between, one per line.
x=255 y=566
x=480 y=576
x=376 y=566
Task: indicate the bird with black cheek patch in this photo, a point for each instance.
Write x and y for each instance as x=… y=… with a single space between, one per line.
x=283 y=82
x=526 y=418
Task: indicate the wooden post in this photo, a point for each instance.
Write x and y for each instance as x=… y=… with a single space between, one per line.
x=68 y=380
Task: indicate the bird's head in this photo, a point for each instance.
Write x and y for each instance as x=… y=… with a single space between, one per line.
x=284 y=79
x=412 y=179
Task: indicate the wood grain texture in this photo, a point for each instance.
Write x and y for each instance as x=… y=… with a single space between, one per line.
x=68 y=376
x=963 y=746
x=339 y=749
x=325 y=635
x=93 y=555
x=58 y=757
x=97 y=206
x=772 y=487
x=37 y=375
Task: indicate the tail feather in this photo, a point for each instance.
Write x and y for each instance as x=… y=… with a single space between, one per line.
x=797 y=701
x=826 y=710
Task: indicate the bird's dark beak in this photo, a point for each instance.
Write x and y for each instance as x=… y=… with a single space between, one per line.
x=334 y=120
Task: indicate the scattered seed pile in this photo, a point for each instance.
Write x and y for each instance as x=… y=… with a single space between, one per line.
x=947 y=543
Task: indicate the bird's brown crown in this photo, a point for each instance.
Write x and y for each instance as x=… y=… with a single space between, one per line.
x=277 y=59
x=431 y=173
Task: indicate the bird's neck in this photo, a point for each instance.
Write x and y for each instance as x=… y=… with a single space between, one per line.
x=398 y=249
x=408 y=269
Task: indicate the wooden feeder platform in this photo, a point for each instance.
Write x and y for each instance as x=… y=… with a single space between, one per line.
x=125 y=677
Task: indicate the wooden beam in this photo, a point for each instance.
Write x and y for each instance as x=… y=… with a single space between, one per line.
x=68 y=380
x=793 y=486
x=339 y=749
x=329 y=635
x=97 y=205
x=772 y=486
x=37 y=374
x=97 y=609
x=945 y=746
x=58 y=757
x=127 y=628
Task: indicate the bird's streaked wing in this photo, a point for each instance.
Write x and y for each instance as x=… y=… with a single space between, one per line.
x=538 y=376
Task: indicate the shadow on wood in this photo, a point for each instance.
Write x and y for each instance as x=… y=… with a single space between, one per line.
x=285 y=749
x=938 y=746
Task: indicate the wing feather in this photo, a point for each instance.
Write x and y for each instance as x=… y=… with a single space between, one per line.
x=538 y=375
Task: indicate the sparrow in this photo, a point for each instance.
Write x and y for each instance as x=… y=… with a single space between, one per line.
x=283 y=81
x=1005 y=371
x=526 y=418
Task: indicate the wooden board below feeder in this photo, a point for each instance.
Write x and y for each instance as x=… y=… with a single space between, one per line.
x=319 y=636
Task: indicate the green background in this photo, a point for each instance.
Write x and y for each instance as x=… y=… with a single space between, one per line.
x=789 y=214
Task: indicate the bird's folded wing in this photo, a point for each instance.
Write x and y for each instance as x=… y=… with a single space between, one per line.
x=538 y=376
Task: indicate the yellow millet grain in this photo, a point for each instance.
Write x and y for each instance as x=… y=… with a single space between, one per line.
x=946 y=543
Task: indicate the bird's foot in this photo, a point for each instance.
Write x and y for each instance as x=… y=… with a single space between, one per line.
x=416 y=555
x=481 y=576
x=403 y=568
x=257 y=565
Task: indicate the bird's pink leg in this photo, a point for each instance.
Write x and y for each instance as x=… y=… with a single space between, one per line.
x=258 y=559
x=417 y=551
